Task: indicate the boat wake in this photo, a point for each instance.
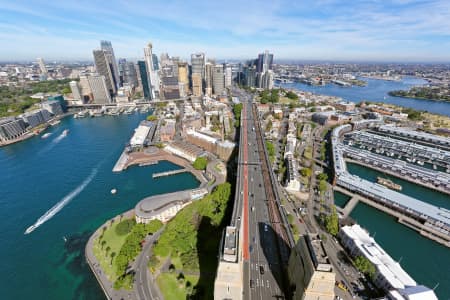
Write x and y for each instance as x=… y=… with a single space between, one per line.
x=60 y=205
x=53 y=143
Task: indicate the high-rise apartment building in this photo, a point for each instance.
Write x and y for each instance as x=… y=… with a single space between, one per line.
x=127 y=73
x=264 y=62
x=198 y=66
x=107 y=46
x=144 y=80
x=99 y=89
x=103 y=60
x=151 y=62
x=218 y=79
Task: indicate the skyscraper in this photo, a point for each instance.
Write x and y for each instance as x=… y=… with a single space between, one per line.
x=263 y=68
x=209 y=70
x=104 y=66
x=183 y=78
x=127 y=73
x=198 y=66
x=143 y=75
x=76 y=94
x=228 y=76
x=196 y=84
x=151 y=62
x=99 y=89
x=107 y=46
x=42 y=66
x=218 y=79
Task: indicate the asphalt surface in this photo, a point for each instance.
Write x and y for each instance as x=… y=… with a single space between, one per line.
x=262 y=269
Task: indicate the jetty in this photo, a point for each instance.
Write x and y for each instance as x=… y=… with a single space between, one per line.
x=121 y=163
x=168 y=173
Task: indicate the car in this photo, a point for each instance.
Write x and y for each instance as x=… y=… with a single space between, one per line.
x=252 y=283
x=261 y=270
x=266 y=228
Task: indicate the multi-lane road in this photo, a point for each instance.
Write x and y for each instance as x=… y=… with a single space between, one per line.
x=262 y=267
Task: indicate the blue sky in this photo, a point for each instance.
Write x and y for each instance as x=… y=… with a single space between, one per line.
x=368 y=30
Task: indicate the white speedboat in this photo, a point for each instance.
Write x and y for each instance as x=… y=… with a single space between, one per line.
x=46 y=135
x=65 y=132
x=30 y=229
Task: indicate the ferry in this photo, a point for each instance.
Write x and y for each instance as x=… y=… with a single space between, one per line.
x=389 y=183
x=46 y=135
x=65 y=132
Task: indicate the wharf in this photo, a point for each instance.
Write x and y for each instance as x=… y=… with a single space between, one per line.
x=121 y=163
x=420 y=227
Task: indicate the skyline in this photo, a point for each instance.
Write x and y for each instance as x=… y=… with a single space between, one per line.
x=327 y=30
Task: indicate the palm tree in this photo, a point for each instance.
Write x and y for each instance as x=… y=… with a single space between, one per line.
x=107 y=250
x=112 y=256
x=103 y=244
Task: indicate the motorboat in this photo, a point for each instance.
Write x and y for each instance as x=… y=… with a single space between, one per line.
x=46 y=135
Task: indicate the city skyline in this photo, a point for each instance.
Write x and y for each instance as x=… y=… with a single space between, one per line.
x=400 y=30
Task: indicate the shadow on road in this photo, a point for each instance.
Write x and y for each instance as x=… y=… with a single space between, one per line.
x=276 y=252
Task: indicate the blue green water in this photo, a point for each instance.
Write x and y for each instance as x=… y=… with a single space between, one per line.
x=37 y=174
x=377 y=90
x=425 y=260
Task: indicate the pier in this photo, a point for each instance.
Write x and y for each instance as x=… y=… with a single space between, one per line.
x=424 y=229
x=168 y=173
x=121 y=163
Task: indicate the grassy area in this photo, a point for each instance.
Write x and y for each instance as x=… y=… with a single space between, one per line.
x=173 y=289
x=114 y=239
x=192 y=238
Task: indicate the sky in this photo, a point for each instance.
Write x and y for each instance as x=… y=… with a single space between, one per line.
x=324 y=30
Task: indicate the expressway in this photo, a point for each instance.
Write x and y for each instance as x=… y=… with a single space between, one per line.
x=263 y=276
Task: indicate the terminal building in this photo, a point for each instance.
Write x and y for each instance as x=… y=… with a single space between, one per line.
x=311 y=276
x=390 y=277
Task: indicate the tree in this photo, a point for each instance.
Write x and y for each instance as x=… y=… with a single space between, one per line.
x=66 y=90
x=332 y=222
x=322 y=176
x=269 y=125
x=365 y=266
x=322 y=186
x=152 y=118
x=103 y=244
x=107 y=250
x=200 y=163
x=291 y=95
x=113 y=254
x=307 y=172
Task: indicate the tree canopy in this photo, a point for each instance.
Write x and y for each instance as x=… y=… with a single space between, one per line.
x=200 y=163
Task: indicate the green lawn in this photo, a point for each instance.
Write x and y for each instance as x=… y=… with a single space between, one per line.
x=171 y=288
x=115 y=242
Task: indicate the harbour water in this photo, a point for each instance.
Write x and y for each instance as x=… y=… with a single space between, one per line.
x=426 y=261
x=377 y=90
x=62 y=186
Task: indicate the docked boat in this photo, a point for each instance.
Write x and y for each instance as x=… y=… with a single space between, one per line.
x=55 y=122
x=46 y=135
x=389 y=183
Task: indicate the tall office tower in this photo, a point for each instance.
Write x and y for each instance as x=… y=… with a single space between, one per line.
x=42 y=66
x=196 y=84
x=143 y=78
x=152 y=71
x=250 y=76
x=310 y=272
x=76 y=93
x=169 y=79
x=107 y=46
x=228 y=76
x=99 y=89
x=165 y=59
x=266 y=80
x=103 y=64
x=121 y=66
x=218 y=79
x=85 y=89
x=198 y=66
x=209 y=70
x=264 y=62
x=183 y=78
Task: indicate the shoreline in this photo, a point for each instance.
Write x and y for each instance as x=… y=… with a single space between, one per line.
x=142 y=159
x=419 y=98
